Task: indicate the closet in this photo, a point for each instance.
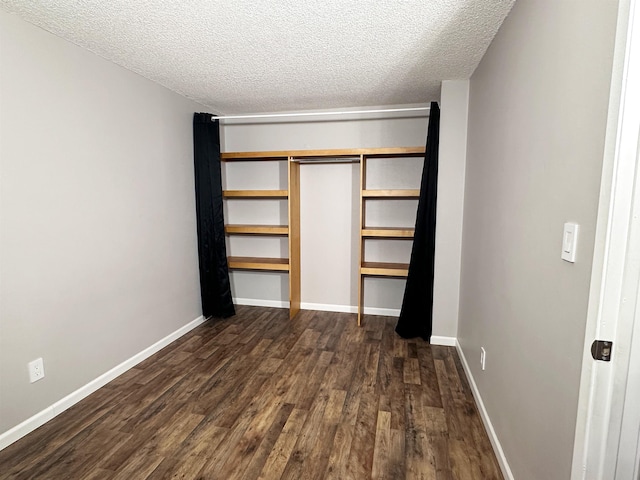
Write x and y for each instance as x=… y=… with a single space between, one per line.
x=291 y=195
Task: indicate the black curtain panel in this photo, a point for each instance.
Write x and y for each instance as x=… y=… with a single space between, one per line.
x=212 y=253
x=416 y=314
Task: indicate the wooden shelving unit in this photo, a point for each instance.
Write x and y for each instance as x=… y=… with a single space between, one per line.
x=381 y=269
x=292 y=230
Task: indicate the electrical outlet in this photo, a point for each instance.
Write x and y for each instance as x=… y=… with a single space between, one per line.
x=483 y=357
x=36 y=370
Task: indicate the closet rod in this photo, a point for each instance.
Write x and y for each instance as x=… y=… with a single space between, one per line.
x=317 y=114
x=327 y=160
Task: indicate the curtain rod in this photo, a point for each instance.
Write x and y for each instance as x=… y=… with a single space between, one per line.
x=317 y=114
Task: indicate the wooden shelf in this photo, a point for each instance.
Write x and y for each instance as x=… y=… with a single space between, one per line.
x=253 y=156
x=258 y=263
x=381 y=269
x=387 y=232
x=409 y=193
x=348 y=152
x=256 y=229
x=255 y=194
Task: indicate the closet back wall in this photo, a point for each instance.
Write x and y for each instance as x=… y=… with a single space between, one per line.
x=329 y=209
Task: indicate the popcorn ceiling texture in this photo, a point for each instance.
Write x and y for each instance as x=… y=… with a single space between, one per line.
x=266 y=55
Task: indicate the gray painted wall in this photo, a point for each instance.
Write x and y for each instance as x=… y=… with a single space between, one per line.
x=454 y=106
x=537 y=118
x=98 y=254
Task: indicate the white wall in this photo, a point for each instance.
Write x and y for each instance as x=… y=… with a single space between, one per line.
x=98 y=254
x=329 y=211
x=537 y=115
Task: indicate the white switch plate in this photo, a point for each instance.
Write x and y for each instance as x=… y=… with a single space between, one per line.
x=569 y=242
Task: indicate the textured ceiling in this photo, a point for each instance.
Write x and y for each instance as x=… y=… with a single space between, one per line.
x=265 y=55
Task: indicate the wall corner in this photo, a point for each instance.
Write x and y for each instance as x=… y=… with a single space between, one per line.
x=454 y=107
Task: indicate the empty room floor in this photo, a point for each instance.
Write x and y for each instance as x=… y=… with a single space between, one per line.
x=259 y=396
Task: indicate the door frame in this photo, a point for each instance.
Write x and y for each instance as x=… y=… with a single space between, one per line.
x=598 y=450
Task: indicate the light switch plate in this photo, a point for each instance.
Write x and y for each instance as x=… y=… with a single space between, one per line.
x=569 y=242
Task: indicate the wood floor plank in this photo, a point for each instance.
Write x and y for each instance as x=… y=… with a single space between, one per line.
x=411 y=373
x=361 y=454
x=419 y=460
x=218 y=457
x=53 y=436
x=330 y=339
x=266 y=446
x=145 y=438
x=300 y=458
x=260 y=396
x=140 y=466
x=428 y=375
x=99 y=474
x=339 y=455
x=79 y=461
x=382 y=447
x=397 y=455
x=316 y=462
x=335 y=405
x=240 y=457
x=312 y=385
x=191 y=456
x=279 y=457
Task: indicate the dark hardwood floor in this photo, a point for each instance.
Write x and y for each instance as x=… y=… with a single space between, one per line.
x=258 y=396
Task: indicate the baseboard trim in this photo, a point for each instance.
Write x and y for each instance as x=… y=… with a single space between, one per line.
x=384 y=312
x=322 y=307
x=258 y=302
x=443 y=341
x=495 y=442
x=29 y=425
x=327 y=307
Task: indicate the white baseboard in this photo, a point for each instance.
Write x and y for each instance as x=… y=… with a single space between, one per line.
x=42 y=417
x=258 y=302
x=323 y=307
x=327 y=307
x=444 y=341
x=495 y=442
x=385 y=312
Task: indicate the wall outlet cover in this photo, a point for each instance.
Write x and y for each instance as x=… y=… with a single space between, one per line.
x=36 y=370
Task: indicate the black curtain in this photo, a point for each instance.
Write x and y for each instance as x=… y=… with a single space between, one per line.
x=215 y=289
x=416 y=314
